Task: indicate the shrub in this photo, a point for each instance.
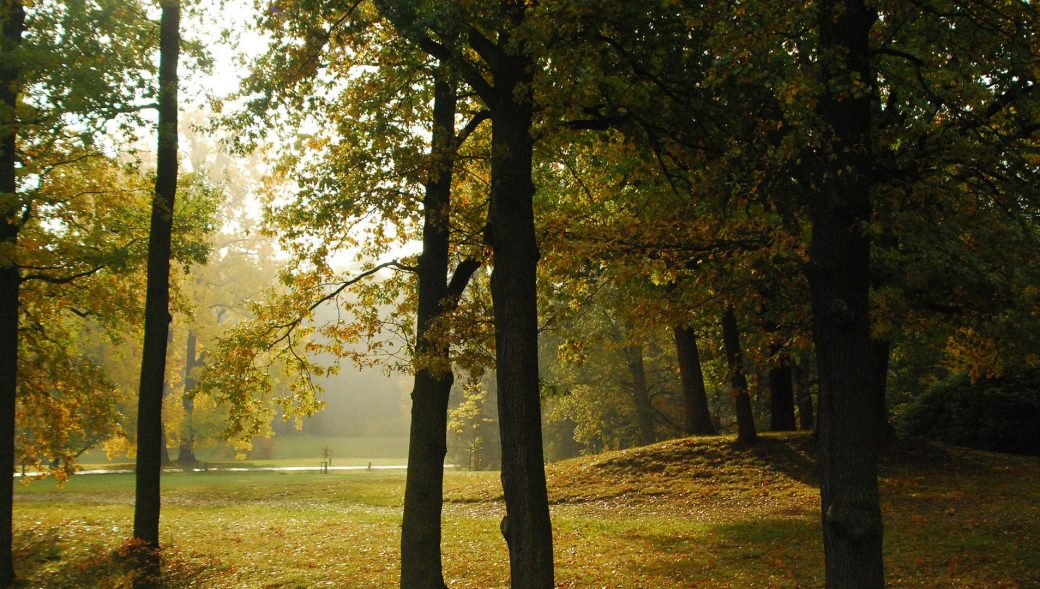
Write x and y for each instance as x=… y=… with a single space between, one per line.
x=1000 y=415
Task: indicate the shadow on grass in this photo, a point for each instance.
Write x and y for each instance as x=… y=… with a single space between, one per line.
x=792 y=455
x=44 y=557
x=776 y=552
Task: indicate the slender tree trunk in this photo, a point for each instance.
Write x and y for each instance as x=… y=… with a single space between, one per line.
x=839 y=280
x=882 y=351
x=10 y=278
x=511 y=235
x=164 y=454
x=695 y=396
x=806 y=415
x=423 y=496
x=157 y=298
x=640 y=394
x=781 y=392
x=746 y=433
x=186 y=455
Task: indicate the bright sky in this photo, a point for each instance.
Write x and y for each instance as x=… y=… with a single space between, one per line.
x=230 y=58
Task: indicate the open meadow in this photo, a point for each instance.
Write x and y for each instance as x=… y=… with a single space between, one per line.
x=695 y=512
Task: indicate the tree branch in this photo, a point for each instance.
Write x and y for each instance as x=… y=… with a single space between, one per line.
x=61 y=279
x=407 y=26
x=471 y=126
x=343 y=285
x=459 y=279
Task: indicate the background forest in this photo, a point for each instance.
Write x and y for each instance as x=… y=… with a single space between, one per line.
x=747 y=275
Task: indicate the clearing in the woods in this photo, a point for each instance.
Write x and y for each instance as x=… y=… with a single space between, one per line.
x=695 y=512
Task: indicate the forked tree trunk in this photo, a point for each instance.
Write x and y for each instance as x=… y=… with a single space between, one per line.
x=157 y=298
x=511 y=235
x=839 y=280
x=13 y=20
x=695 y=396
x=421 y=527
x=746 y=433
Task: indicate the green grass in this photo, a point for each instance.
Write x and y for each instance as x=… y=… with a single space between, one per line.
x=687 y=513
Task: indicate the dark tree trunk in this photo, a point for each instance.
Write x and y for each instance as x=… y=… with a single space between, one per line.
x=10 y=280
x=806 y=415
x=511 y=235
x=157 y=298
x=640 y=394
x=839 y=280
x=527 y=528
x=695 y=397
x=421 y=527
x=186 y=455
x=746 y=433
x=781 y=392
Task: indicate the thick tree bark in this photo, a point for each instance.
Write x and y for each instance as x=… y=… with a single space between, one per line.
x=186 y=455
x=421 y=527
x=746 y=433
x=839 y=280
x=511 y=235
x=157 y=298
x=640 y=394
x=695 y=396
x=13 y=24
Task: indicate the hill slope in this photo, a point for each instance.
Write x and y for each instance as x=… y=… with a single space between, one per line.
x=954 y=517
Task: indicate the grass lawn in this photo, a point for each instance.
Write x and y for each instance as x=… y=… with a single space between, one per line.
x=287 y=450
x=686 y=513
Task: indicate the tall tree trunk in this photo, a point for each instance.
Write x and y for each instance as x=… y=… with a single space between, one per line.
x=10 y=278
x=640 y=394
x=839 y=280
x=511 y=235
x=186 y=455
x=157 y=298
x=695 y=397
x=806 y=415
x=423 y=495
x=781 y=391
x=746 y=433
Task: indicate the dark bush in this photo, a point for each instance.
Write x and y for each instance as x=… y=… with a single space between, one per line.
x=1000 y=414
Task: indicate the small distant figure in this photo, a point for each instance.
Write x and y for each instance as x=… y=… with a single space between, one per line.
x=369 y=466
x=327 y=455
